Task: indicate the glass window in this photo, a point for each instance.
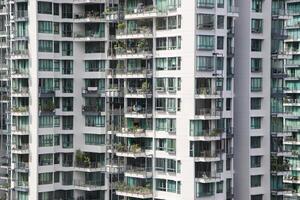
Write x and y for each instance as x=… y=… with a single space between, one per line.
x=205 y=42
x=45 y=178
x=255 y=142
x=255 y=103
x=45 y=140
x=220 y=187
x=255 y=161
x=45 y=27
x=45 y=46
x=255 y=122
x=256 y=84
x=94 y=139
x=44 y=7
x=257 y=5
x=256 y=65
x=256 y=181
x=256 y=25
x=256 y=45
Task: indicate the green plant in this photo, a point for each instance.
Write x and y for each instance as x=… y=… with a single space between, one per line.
x=141 y=43
x=145 y=86
x=121 y=26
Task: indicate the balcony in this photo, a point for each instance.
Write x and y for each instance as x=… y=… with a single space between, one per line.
x=280 y=13
x=122 y=72
x=140 y=32
x=20 y=92
x=91 y=16
x=133 y=52
x=93 y=110
x=207 y=156
x=134 y=151
x=21 y=166
x=22 y=186
x=20 y=130
x=89 y=185
x=207 y=176
x=20 y=110
x=20 y=54
x=132 y=132
x=140 y=192
x=93 y=92
x=138 y=172
x=138 y=111
x=21 y=15
x=143 y=92
x=207 y=135
x=206 y=114
x=19 y=73
x=88 y=36
x=208 y=93
x=20 y=149
x=206 y=4
x=46 y=92
x=88 y=166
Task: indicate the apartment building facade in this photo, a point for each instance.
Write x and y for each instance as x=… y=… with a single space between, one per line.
x=127 y=99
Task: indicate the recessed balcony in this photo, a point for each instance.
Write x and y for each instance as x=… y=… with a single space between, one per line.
x=140 y=192
x=93 y=92
x=207 y=113
x=46 y=92
x=20 y=148
x=92 y=110
x=135 y=150
x=140 y=32
x=138 y=111
x=207 y=176
x=138 y=172
x=88 y=185
x=208 y=93
x=20 y=110
x=20 y=92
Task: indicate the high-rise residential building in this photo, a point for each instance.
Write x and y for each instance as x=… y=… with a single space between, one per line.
x=261 y=125
x=128 y=99
x=291 y=101
x=5 y=158
x=149 y=99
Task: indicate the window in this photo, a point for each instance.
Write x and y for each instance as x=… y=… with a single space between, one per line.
x=67 y=48
x=45 y=140
x=256 y=25
x=204 y=63
x=171 y=165
x=94 y=47
x=171 y=186
x=45 y=122
x=95 y=121
x=255 y=142
x=255 y=103
x=256 y=181
x=205 y=21
x=220 y=42
x=67 y=11
x=45 y=65
x=257 y=5
x=45 y=159
x=256 y=45
x=44 y=7
x=255 y=161
x=256 y=84
x=160 y=185
x=45 y=27
x=67 y=141
x=205 y=42
x=55 y=9
x=205 y=3
x=160 y=164
x=220 y=22
x=94 y=139
x=255 y=122
x=220 y=187
x=256 y=65
x=257 y=197
x=45 y=46
x=45 y=178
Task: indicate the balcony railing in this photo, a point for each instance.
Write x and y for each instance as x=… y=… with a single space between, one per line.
x=208 y=112
x=207 y=154
x=136 y=109
x=141 y=190
x=88 y=184
x=135 y=148
x=89 y=165
x=141 y=30
x=207 y=91
x=89 y=15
